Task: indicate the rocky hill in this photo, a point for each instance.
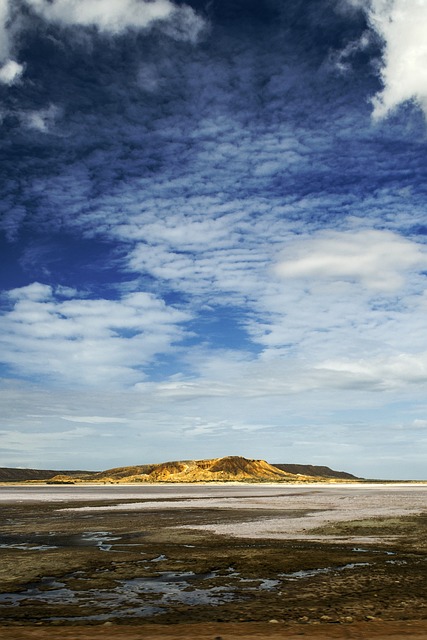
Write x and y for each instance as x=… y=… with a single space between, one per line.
x=215 y=469
x=227 y=469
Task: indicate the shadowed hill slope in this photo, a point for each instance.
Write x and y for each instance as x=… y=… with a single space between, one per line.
x=9 y=474
x=314 y=470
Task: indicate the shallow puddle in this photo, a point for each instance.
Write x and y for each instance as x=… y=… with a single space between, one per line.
x=179 y=588
x=27 y=546
x=107 y=590
x=382 y=551
x=103 y=540
x=129 y=598
x=310 y=573
x=148 y=596
x=33 y=542
x=47 y=590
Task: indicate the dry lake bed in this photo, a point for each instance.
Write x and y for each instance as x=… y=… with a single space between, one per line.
x=210 y=561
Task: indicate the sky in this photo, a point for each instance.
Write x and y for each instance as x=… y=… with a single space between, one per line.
x=213 y=233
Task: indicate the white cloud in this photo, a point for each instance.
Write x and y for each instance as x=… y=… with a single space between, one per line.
x=378 y=260
x=4 y=33
x=380 y=373
x=10 y=72
x=94 y=342
x=402 y=25
x=341 y=60
x=342 y=295
x=230 y=375
x=113 y=17
x=18 y=440
x=94 y=419
x=116 y=16
x=419 y=424
x=36 y=291
x=41 y=120
x=344 y=430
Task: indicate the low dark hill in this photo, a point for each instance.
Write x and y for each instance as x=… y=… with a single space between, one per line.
x=314 y=470
x=8 y=474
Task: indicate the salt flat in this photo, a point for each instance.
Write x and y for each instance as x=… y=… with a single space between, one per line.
x=300 y=508
x=66 y=493
x=86 y=492
x=316 y=506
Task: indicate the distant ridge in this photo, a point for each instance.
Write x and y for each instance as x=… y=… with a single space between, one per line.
x=11 y=474
x=314 y=470
x=226 y=469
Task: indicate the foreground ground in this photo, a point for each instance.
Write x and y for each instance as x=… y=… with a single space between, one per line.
x=408 y=630
x=248 y=565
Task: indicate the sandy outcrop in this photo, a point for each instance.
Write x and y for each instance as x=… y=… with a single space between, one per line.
x=226 y=469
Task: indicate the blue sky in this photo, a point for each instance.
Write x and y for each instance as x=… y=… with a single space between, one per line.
x=213 y=232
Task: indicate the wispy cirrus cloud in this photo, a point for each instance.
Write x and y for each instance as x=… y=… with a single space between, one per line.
x=95 y=419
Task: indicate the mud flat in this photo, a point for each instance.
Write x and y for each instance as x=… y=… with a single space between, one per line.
x=348 y=561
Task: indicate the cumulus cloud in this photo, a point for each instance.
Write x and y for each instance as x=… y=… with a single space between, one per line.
x=402 y=27
x=116 y=16
x=376 y=259
x=93 y=342
x=10 y=72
